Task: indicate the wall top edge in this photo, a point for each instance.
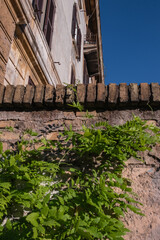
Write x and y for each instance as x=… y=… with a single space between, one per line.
x=100 y=96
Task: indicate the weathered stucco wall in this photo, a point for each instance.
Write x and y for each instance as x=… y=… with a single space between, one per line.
x=46 y=112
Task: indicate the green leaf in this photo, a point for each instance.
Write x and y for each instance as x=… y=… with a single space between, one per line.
x=8 y=225
x=32 y=218
x=45 y=210
x=6 y=185
x=46 y=198
x=35 y=233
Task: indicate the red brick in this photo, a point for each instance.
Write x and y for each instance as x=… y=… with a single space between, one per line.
x=28 y=96
x=123 y=94
x=155 y=90
x=70 y=97
x=49 y=95
x=113 y=94
x=2 y=89
x=101 y=95
x=60 y=95
x=134 y=93
x=91 y=95
x=8 y=95
x=145 y=93
x=39 y=95
x=81 y=93
x=18 y=95
x=4 y=124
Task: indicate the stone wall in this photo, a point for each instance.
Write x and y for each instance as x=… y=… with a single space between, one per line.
x=46 y=111
x=7 y=28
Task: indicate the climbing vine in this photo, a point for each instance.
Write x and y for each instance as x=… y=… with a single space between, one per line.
x=73 y=188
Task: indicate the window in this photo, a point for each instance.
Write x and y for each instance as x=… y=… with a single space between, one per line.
x=48 y=20
x=76 y=33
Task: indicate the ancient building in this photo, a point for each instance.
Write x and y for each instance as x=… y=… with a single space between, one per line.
x=50 y=42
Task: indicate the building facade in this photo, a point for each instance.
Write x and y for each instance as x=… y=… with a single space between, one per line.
x=50 y=42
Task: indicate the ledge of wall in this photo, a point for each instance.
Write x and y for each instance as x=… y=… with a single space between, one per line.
x=98 y=96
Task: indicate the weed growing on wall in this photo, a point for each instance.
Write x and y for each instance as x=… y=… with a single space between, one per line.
x=72 y=188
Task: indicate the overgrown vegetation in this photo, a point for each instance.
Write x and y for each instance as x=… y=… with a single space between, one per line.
x=71 y=189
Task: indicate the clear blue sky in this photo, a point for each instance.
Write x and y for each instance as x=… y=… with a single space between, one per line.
x=131 y=40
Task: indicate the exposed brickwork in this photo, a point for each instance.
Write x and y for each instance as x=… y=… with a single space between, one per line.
x=91 y=95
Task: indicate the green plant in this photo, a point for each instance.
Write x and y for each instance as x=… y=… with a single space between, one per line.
x=72 y=189
x=9 y=129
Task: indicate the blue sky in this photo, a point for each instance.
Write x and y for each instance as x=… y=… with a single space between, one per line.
x=131 y=40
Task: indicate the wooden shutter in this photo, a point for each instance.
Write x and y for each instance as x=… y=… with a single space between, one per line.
x=37 y=5
x=49 y=21
x=79 y=42
x=74 y=20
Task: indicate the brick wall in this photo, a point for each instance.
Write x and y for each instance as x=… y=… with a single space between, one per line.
x=46 y=111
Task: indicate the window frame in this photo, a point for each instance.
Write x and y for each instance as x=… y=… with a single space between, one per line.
x=49 y=22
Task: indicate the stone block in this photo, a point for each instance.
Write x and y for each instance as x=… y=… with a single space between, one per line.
x=81 y=93
x=52 y=136
x=91 y=95
x=123 y=94
x=5 y=124
x=5 y=146
x=145 y=93
x=101 y=95
x=7 y=20
x=18 y=95
x=113 y=94
x=8 y=95
x=69 y=115
x=70 y=96
x=60 y=95
x=2 y=89
x=39 y=95
x=9 y=136
x=28 y=96
x=134 y=93
x=84 y=114
x=2 y=71
x=49 y=95
x=151 y=122
x=5 y=45
x=155 y=91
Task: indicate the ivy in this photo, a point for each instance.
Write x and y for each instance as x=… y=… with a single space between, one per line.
x=73 y=188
